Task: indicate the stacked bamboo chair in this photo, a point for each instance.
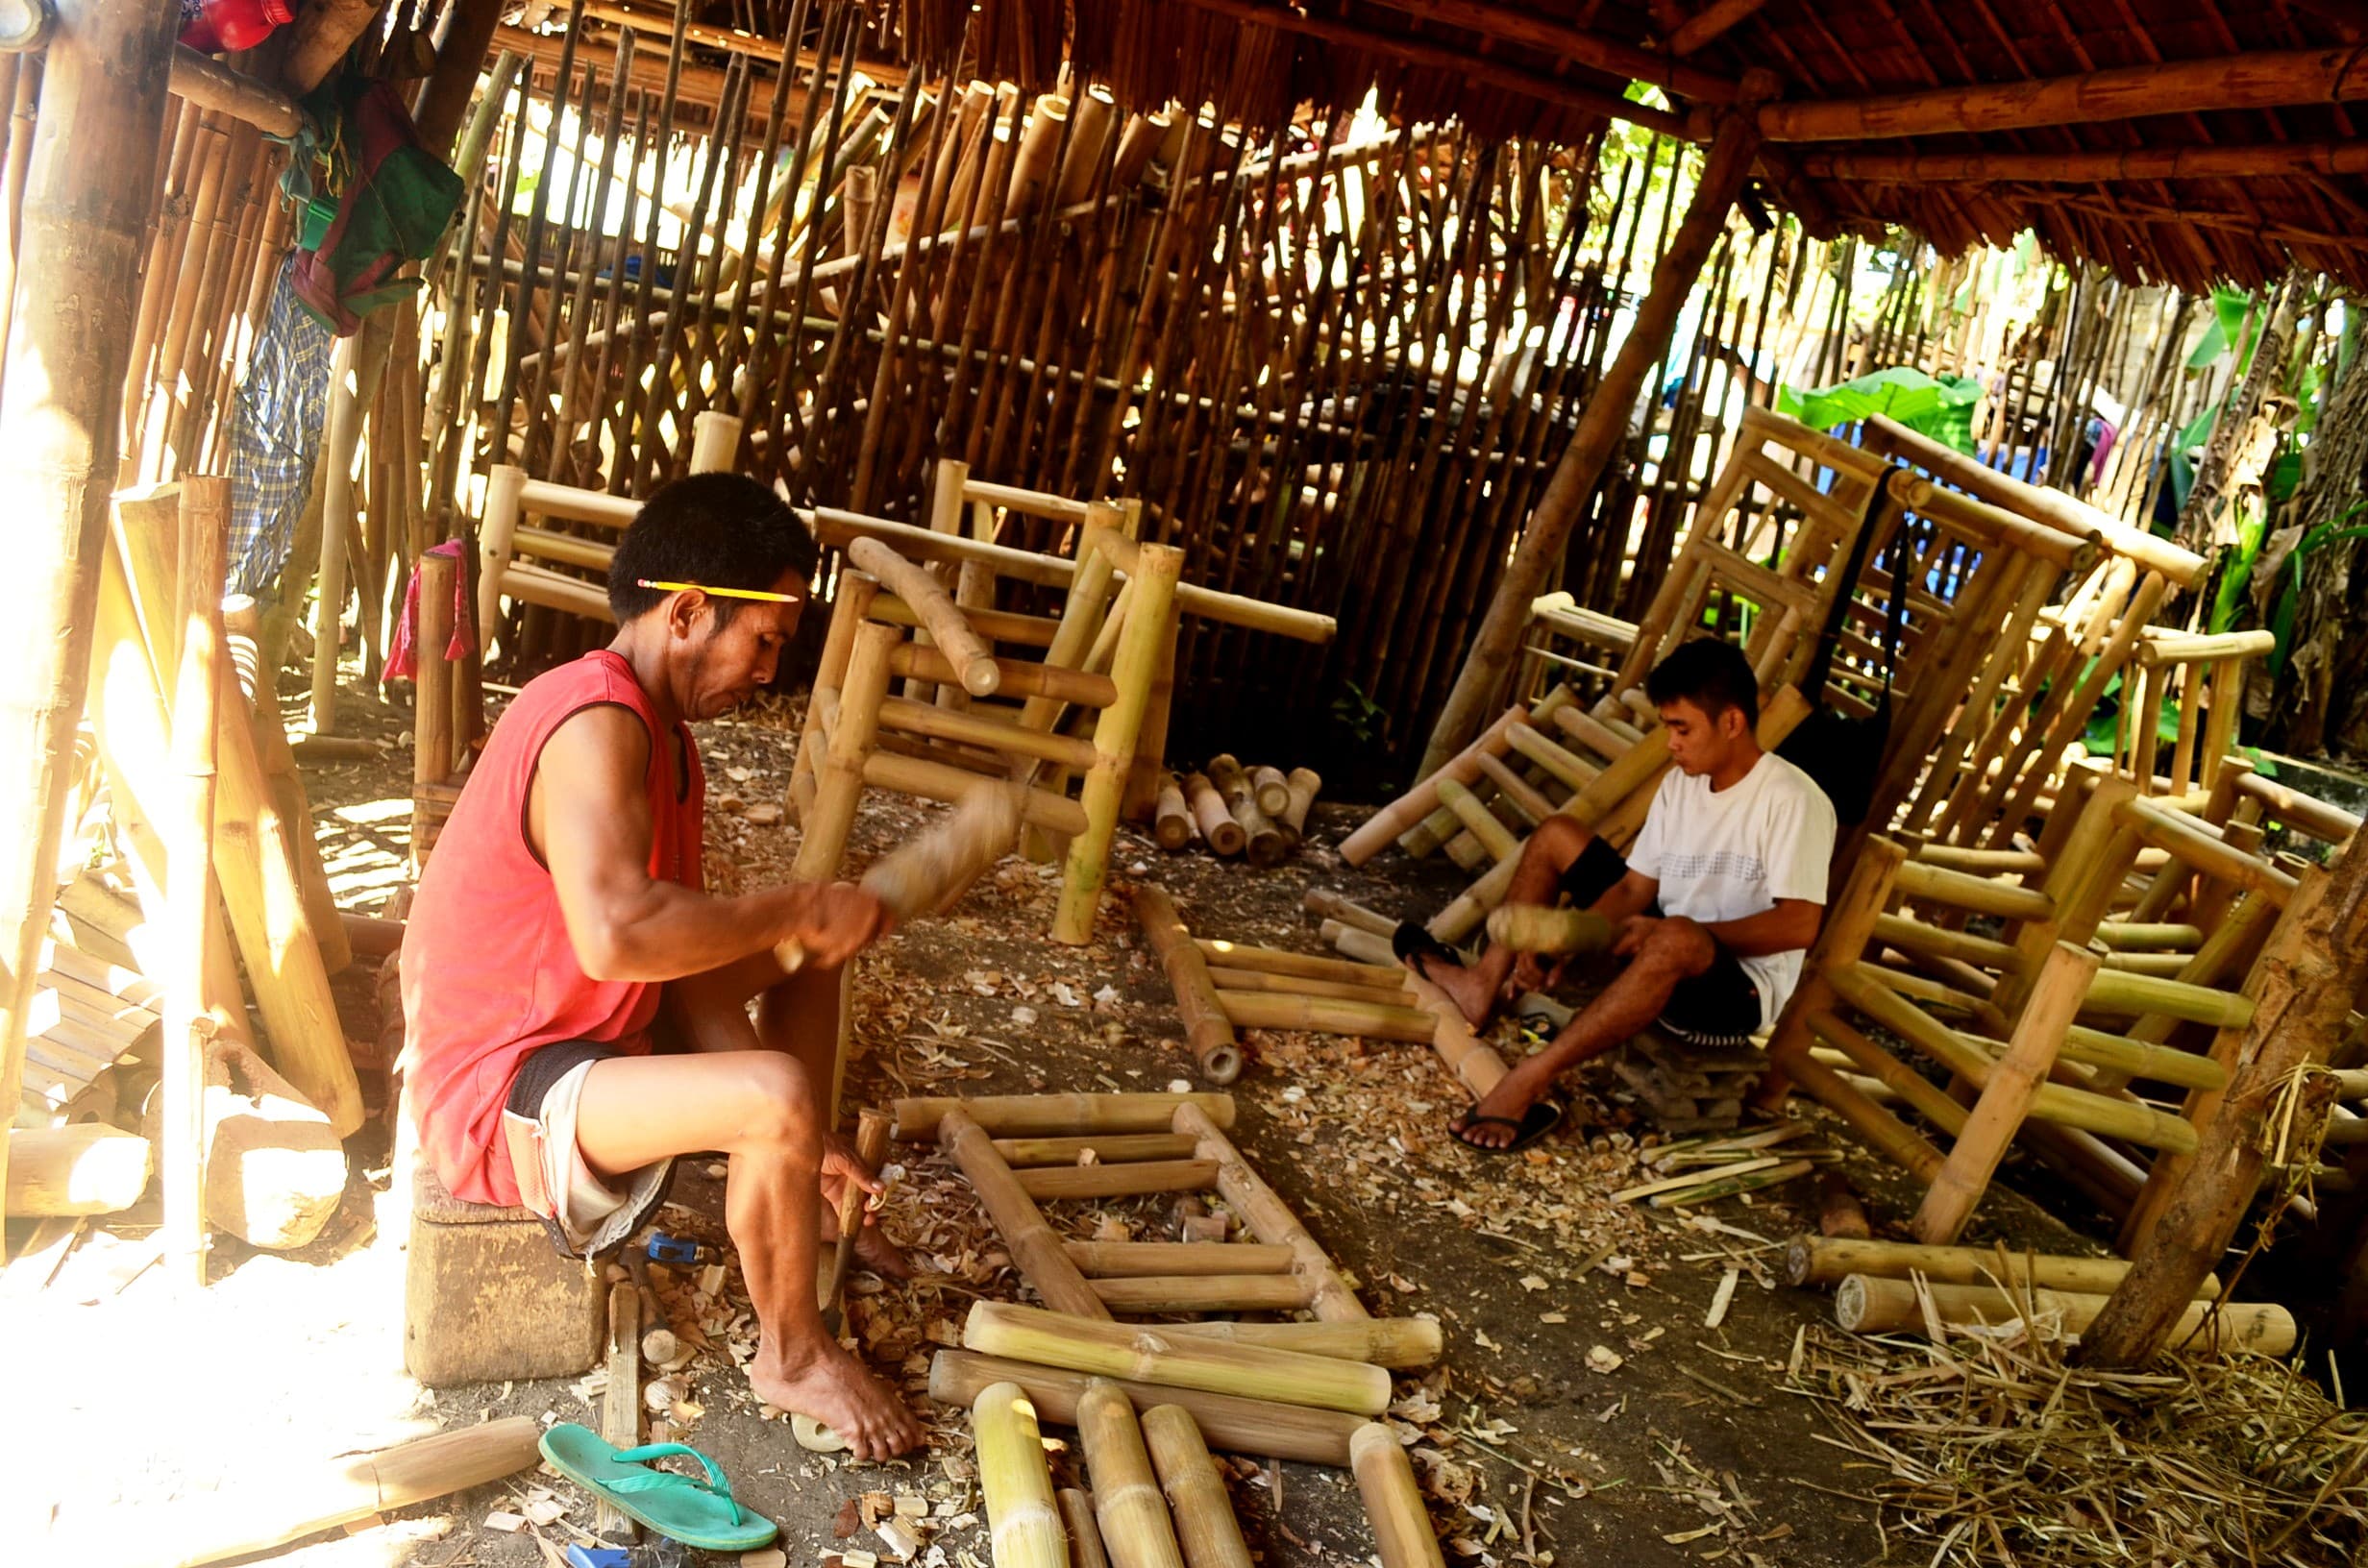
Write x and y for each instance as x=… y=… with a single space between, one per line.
x=2102 y=975
x=2202 y=679
x=859 y=734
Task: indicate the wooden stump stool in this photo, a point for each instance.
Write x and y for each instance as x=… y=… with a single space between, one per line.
x=1689 y=1088
x=486 y=1297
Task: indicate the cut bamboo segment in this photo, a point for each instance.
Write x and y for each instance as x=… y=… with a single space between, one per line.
x=90 y=1169
x=1358 y=944
x=1205 y=1024
x=1138 y=1260
x=1057 y=1115
x=1023 y=1522
x=1269 y=1218
x=1977 y=895
x=1272 y=790
x=1533 y=928
x=1128 y=1179
x=1266 y=843
x=1474 y=1062
x=1135 y=1528
x=1324 y=1015
x=1085 y=1543
x=1516 y=790
x=1172 y=818
x=1241 y=1426
x=1305 y=784
x=1235 y=955
x=1402 y=1530
x=1828 y=1260
x=1205 y=1528
x=1405 y=1343
x=1152 y=1295
x=1034 y=1248
x=1292 y=985
x=1217 y=829
x=1495 y=837
x=1018 y=1153
x=1150 y=1354
x=956 y=639
x=1866 y=1304
x=1326 y=905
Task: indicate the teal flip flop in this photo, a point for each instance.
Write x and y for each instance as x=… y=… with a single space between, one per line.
x=700 y=1514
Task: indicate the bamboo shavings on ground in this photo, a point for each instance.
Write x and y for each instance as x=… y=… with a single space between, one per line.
x=1990 y=1449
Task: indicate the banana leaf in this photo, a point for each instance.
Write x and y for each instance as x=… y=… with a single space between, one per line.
x=1939 y=406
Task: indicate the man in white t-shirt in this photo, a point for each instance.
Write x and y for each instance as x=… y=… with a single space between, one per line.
x=1714 y=905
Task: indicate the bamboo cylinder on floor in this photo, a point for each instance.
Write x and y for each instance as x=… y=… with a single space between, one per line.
x=1024 y=1522
x=1171 y=820
x=1356 y=943
x=1236 y=955
x=1266 y=843
x=90 y=1169
x=1057 y=1115
x=1034 y=1248
x=1305 y=784
x=1239 y=1425
x=1288 y=985
x=1153 y=1295
x=1272 y=790
x=1137 y=1260
x=1327 y=905
x=1135 y=1527
x=1828 y=1260
x=1865 y=1304
x=1325 y=1015
x=1532 y=928
x=1205 y=1024
x=1148 y=1355
x=1085 y=1543
x=1402 y=1342
x=1217 y=829
x=1403 y=1531
x=1205 y=1528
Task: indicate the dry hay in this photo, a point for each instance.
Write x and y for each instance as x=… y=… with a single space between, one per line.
x=1989 y=1447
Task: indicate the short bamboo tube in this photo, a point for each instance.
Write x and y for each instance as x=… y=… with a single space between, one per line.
x=1127 y=1179
x=1206 y=1025
x=1863 y=1304
x=1171 y=820
x=1150 y=1355
x=1145 y=1259
x=1272 y=789
x=1402 y=1531
x=1034 y=1248
x=1325 y=1015
x=1289 y=985
x=1135 y=1528
x=1020 y=1153
x=1532 y=928
x=1149 y=1295
x=1239 y=1426
x=1266 y=843
x=1022 y=1520
x=1479 y=821
x=1217 y=829
x=1205 y=1526
x=1269 y=1218
x=1235 y=955
x=1402 y=1342
x=1057 y=1115
x=1305 y=784
x=1829 y=1260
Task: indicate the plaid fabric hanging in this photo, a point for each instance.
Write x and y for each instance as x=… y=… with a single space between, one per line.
x=275 y=435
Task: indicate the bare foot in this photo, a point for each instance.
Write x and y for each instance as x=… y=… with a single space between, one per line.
x=833 y=1387
x=1468 y=989
x=873 y=1248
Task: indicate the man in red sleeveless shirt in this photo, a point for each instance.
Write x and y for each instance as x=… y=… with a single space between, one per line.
x=560 y=926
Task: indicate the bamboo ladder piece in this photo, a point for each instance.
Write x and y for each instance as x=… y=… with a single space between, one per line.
x=1206 y=1025
x=1269 y=1218
x=1038 y=1254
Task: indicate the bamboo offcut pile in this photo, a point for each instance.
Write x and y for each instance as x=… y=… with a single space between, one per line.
x=1231 y=809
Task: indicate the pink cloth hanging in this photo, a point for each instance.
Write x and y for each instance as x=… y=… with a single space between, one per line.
x=401 y=659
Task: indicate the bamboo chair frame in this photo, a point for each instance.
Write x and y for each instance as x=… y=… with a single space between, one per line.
x=2203 y=680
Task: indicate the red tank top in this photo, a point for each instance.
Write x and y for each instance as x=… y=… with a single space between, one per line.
x=488 y=970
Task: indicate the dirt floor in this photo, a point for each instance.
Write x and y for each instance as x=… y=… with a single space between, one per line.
x=1584 y=1411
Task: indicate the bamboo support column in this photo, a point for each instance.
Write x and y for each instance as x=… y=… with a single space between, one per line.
x=103 y=99
x=1602 y=426
x=1156 y=568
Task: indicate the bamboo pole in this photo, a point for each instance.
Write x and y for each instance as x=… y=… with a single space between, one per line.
x=1085 y=1542
x=1326 y=1014
x=1144 y=1354
x=1206 y=1025
x=1206 y=1530
x=1153 y=584
x=1135 y=1528
x=1402 y=1530
x=1020 y=1153
x=1150 y=1260
x=1828 y=1260
x=1149 y=1295
x=1024 y=1522
x=1034 y=1248
x=1171 y=820
x=1269 y=1218
x=1405 y=1343
x=1302 y=965
x=1052 y=1116
x=1865 y=1304
x=1126 y=1179
x=1242 y=1426
x=102 y=100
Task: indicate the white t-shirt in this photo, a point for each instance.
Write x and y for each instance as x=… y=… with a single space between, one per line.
x=1726 y=854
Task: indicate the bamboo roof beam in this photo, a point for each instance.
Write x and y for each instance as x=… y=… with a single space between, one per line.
x=2254 y=160
x=1579 y=46
x=1712 y=21
x=661 y=24
x=2268 y=79
x=1477 y=69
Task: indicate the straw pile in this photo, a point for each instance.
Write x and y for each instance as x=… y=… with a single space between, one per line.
x=1990 y=1448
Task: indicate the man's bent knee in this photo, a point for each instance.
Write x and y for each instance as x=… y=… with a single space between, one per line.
x=1558 y=841
x=1679 y=947
x=779 y=1106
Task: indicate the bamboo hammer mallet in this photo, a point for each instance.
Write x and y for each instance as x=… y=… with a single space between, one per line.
x=934 y=870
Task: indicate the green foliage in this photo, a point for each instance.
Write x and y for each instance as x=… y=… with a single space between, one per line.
x=2290 y=579
x=1359 y=718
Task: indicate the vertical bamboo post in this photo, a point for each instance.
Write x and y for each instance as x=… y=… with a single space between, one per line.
x=1205 y=1528
x=1135 y=1528
x=839 y=781
x=504 y=488
x=1114 y=733
x=344 y=431
x=1602 y=426
x=197 y=696
x=86 y=206
x=1024 y=1522
x=431 y=695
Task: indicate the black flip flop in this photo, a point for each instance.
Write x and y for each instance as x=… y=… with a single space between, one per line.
x=1540 y=1118
x=1413 y=944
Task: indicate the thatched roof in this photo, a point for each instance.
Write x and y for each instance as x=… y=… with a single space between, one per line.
x=2180 y=140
